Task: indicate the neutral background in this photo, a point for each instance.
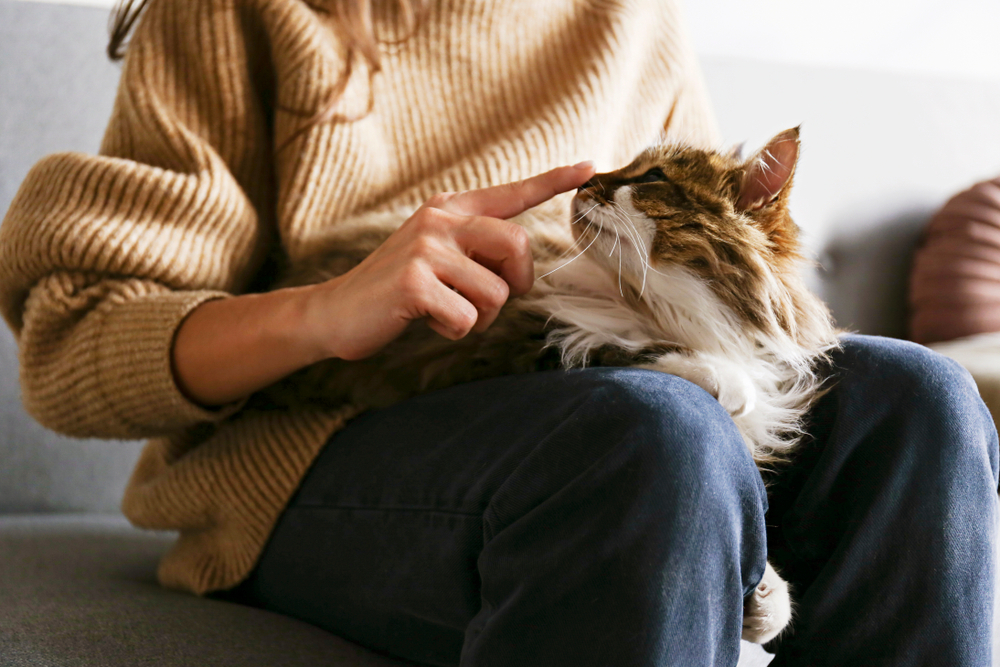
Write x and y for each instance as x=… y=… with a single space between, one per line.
x=955 y=38
x=958 y=37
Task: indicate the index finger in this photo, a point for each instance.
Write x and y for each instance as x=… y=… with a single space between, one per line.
x=510 y=199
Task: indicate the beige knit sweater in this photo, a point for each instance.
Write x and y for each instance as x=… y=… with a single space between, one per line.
x=101 y=257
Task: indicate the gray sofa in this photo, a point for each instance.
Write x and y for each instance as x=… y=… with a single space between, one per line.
x=77 y=582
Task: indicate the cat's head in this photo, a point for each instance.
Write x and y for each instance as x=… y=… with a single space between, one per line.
x=712 y=217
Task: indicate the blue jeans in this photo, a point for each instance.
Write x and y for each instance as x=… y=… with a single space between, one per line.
x=613 y=516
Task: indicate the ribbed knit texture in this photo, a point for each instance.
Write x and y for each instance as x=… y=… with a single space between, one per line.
x=101 y=257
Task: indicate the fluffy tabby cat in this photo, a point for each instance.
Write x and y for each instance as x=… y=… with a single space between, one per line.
x=685 y=261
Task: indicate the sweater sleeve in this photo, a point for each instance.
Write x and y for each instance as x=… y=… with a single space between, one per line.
x=102 y=257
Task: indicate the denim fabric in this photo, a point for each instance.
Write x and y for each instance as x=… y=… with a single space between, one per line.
x=613 y=516
x=886 y=523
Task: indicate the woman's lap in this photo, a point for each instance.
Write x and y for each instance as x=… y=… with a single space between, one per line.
x=420 y=520
x=416 y=519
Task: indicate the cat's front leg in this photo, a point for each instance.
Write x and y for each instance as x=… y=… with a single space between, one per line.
x=727 y=381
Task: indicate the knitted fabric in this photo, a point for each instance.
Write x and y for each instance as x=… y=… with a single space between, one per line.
x=102 y=257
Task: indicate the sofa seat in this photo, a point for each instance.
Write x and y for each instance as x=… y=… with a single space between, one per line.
x=79 y=590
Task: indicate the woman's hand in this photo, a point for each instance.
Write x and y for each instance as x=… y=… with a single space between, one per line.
x=454 y=263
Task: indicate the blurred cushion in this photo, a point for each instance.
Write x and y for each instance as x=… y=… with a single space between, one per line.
x=955 y=278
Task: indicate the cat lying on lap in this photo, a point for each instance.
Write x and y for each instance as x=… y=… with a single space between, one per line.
x=685 y=261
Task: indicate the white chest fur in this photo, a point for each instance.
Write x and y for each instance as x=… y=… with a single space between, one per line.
x=765 y=384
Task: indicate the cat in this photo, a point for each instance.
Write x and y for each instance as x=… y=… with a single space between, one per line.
x=685 y=261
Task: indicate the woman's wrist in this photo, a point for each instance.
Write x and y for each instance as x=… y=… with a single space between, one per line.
x=227 y=349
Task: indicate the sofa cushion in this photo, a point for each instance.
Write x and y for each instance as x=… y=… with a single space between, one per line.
x=78 y=590
x=955 y=280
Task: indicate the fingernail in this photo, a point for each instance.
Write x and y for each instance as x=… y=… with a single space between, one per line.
x=586 y=164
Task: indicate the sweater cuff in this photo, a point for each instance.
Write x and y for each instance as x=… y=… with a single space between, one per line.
x=133 y=359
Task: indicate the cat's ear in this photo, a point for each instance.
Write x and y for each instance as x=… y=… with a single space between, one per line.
x=769 y=171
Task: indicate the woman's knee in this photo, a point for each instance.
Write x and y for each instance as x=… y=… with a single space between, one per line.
x=673 y=436
x=645 y=458
x=927 y=402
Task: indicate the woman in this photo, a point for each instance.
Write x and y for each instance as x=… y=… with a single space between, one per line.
x=611 y=516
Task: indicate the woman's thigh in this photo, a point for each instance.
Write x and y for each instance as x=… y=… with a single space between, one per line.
x=382 y=542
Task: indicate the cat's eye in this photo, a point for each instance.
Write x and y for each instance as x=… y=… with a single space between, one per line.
x=654 y=175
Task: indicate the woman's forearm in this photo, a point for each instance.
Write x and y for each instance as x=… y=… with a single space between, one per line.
x=453 y=263
x=227 y=349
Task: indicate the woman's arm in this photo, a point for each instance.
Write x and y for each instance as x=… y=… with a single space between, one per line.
x=453 y=263
x=102 y=257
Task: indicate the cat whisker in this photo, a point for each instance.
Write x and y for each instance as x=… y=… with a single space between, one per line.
x=621 y=251
x=624 y=217
x=642 y=257
x=573 y=246
x=645 y=260
x=625 y=227
x=618 y=214
x=596 y=236
x=580 y=216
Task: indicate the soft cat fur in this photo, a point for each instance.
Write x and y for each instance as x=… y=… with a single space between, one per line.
x=685 y=261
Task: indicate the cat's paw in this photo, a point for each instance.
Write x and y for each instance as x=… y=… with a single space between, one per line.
x=768 y=609
x=736 y=393
x=727 y=381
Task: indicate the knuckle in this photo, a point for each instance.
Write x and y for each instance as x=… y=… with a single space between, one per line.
x=464 y=321
x=519 y=240
x=440 y=199
x=423 y=246
x=497 y=294
x=413 y=282
x=426 y=219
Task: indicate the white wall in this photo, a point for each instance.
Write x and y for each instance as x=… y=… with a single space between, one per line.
x=957 y=37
